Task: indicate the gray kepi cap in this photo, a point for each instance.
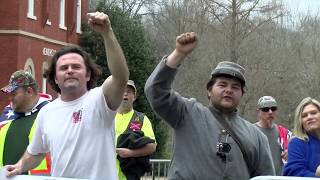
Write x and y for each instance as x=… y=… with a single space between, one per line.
x=227 y=68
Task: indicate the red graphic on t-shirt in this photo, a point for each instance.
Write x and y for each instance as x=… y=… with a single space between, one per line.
x=76 y=116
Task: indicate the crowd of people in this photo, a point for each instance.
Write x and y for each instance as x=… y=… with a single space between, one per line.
x=95 y=133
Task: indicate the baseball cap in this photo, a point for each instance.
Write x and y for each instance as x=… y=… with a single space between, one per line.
x=131 y=83
x=18 y=79
x=267 y=101
x=230 y=69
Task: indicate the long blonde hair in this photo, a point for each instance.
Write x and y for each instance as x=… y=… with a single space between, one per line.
x=298 y=130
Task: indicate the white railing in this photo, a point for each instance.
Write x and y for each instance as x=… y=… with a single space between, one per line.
x=159 y=170
x=282 y=178
x=31 y=177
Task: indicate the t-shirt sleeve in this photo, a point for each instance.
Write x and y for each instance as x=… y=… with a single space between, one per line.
x=147 y=128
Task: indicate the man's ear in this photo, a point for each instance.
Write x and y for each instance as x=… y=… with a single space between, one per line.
x=29 y=90
x=135 y=98
x=208 y=94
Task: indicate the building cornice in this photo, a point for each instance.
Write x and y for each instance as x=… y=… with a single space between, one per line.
x=36 y=36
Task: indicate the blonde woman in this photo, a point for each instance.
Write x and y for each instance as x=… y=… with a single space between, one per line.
x=304 y=148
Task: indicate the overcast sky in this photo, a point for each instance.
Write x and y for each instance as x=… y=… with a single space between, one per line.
x=303 y=6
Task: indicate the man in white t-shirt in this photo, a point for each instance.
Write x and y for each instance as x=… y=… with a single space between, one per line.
x=78 y=127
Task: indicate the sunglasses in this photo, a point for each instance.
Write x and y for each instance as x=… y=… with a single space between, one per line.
x=267 y=109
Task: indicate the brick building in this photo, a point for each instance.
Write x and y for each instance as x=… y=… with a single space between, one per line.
x=31 y=31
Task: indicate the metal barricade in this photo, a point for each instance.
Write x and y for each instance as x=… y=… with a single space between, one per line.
x=159 y=170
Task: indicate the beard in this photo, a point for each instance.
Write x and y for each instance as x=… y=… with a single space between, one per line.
x=224 y=108
x=126 y=105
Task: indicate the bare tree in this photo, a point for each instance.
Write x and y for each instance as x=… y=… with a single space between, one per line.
x=133 y=7
x=240 y=18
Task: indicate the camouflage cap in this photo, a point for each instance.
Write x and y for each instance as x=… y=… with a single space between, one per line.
x=267 y=101
x=131 y=83
x=18 y=79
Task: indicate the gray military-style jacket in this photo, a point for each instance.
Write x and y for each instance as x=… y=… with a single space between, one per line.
x=197 y=132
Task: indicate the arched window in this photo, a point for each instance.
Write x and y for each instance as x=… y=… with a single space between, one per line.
x=29 y=66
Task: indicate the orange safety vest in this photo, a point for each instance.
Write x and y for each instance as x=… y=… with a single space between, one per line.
x=43 y=168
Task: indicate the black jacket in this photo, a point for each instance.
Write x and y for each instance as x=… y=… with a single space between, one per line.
x=134 y=167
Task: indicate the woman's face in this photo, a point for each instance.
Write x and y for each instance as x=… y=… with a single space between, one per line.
x=311 y=119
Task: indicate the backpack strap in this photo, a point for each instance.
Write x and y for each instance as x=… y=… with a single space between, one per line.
x=136 y=122
x=39 y=106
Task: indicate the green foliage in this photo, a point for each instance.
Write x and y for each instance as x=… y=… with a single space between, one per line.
x=140 y=57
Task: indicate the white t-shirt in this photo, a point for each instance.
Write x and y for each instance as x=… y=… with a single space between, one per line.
x=79 y=135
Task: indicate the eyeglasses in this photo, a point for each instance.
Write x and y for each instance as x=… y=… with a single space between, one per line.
x=267 y=109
